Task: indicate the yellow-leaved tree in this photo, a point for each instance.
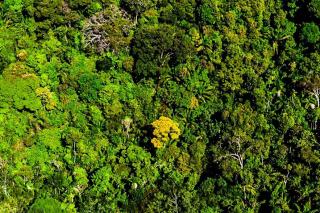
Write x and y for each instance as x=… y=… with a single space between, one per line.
x=165 y=130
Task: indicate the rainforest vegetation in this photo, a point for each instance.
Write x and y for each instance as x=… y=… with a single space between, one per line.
x=159 y=106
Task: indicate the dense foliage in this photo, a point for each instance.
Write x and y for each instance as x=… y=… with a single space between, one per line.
x=159 y=106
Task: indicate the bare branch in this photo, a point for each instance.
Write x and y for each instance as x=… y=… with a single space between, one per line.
x=237 y=155
x=107 y=30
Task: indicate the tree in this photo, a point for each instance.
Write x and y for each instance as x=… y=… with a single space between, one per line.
x=7 y=41
x=158 y=48
x=45 y=205
x=310 y=33
x=108 y=30
x=47 y=97
x=89 y=87
x=164 y=130
x=314 y=7
x=18 y=87
x=139 y=6
x=209 y=12
x=237 y=154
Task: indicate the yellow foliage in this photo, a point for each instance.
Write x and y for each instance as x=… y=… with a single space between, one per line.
x=47 y=97
x=22 y=55
x=194 y=103
x=165 y=129
x=196 y=38
x=156 y=143
x=183 y=163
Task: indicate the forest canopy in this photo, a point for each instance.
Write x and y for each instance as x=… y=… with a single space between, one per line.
x=159 y=106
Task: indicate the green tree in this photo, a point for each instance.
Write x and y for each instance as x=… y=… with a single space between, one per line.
x=310 y=33
x=42 y=205
x=314 y=7
x=158 y=48
x=139 y=6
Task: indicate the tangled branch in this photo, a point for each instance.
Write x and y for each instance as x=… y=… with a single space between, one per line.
x=108 y=30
